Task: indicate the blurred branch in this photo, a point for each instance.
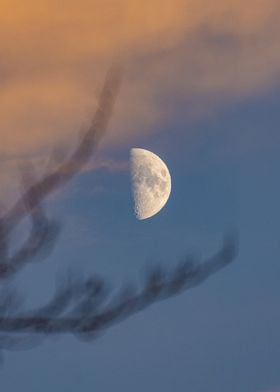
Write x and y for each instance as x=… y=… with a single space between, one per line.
x=66 y=170
x=77 y=307
x=44 y=233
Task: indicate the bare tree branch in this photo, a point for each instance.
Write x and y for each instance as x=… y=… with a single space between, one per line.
x=44 y=232
x=52 y=181
x=88 y=298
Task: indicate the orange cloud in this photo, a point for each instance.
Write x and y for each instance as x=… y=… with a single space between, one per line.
x=54 y=54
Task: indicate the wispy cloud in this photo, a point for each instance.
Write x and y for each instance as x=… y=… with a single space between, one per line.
x=53 y=59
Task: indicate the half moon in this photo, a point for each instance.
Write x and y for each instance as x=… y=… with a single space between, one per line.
x=151 y=182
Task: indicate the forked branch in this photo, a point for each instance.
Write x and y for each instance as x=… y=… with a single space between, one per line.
x=43 y=232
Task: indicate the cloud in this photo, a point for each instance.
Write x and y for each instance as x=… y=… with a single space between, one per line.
x=177 y=53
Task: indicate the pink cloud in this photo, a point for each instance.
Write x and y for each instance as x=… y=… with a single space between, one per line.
x=53 y=61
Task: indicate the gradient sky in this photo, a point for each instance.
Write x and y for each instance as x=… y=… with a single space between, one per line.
x=201 y=90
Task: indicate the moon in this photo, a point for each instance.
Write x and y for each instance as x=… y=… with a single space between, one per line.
x=151 y=182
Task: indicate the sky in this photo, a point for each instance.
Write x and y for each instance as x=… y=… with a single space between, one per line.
x=200 y=89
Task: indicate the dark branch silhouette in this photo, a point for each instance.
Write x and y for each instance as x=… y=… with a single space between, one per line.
x=84 y=308
x=52 y=181
x=77 y=306
x=44 y=232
